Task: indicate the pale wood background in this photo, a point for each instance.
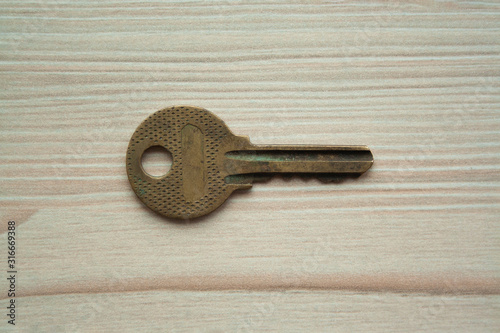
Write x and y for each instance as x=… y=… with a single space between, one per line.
x=412 y=245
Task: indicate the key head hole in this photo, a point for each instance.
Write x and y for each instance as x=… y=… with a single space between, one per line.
x=156 y=161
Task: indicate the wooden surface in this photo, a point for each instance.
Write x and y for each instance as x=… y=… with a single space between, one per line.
x=412 y=245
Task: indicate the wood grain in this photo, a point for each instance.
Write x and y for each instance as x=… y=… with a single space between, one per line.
x=412 y=245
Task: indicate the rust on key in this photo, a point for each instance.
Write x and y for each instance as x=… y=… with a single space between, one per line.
x=209 y=162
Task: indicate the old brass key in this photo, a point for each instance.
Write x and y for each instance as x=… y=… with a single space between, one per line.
x=209 y=162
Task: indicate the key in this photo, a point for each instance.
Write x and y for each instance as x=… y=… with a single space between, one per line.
x=209 y=162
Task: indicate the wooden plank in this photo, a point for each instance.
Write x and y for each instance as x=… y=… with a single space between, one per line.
x=280 y=311
x=412 y=245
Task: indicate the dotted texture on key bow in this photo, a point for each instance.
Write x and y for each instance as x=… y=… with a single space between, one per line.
x=163 y=128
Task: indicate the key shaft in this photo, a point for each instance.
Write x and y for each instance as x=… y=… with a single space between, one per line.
x=299 y=159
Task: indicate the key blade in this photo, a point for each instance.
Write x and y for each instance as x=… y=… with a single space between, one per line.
x=299 y=159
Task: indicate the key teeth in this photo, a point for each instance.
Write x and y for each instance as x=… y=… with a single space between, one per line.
x=336 y=178
x=323 y=177
x=245 y=181
x=329 y=178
